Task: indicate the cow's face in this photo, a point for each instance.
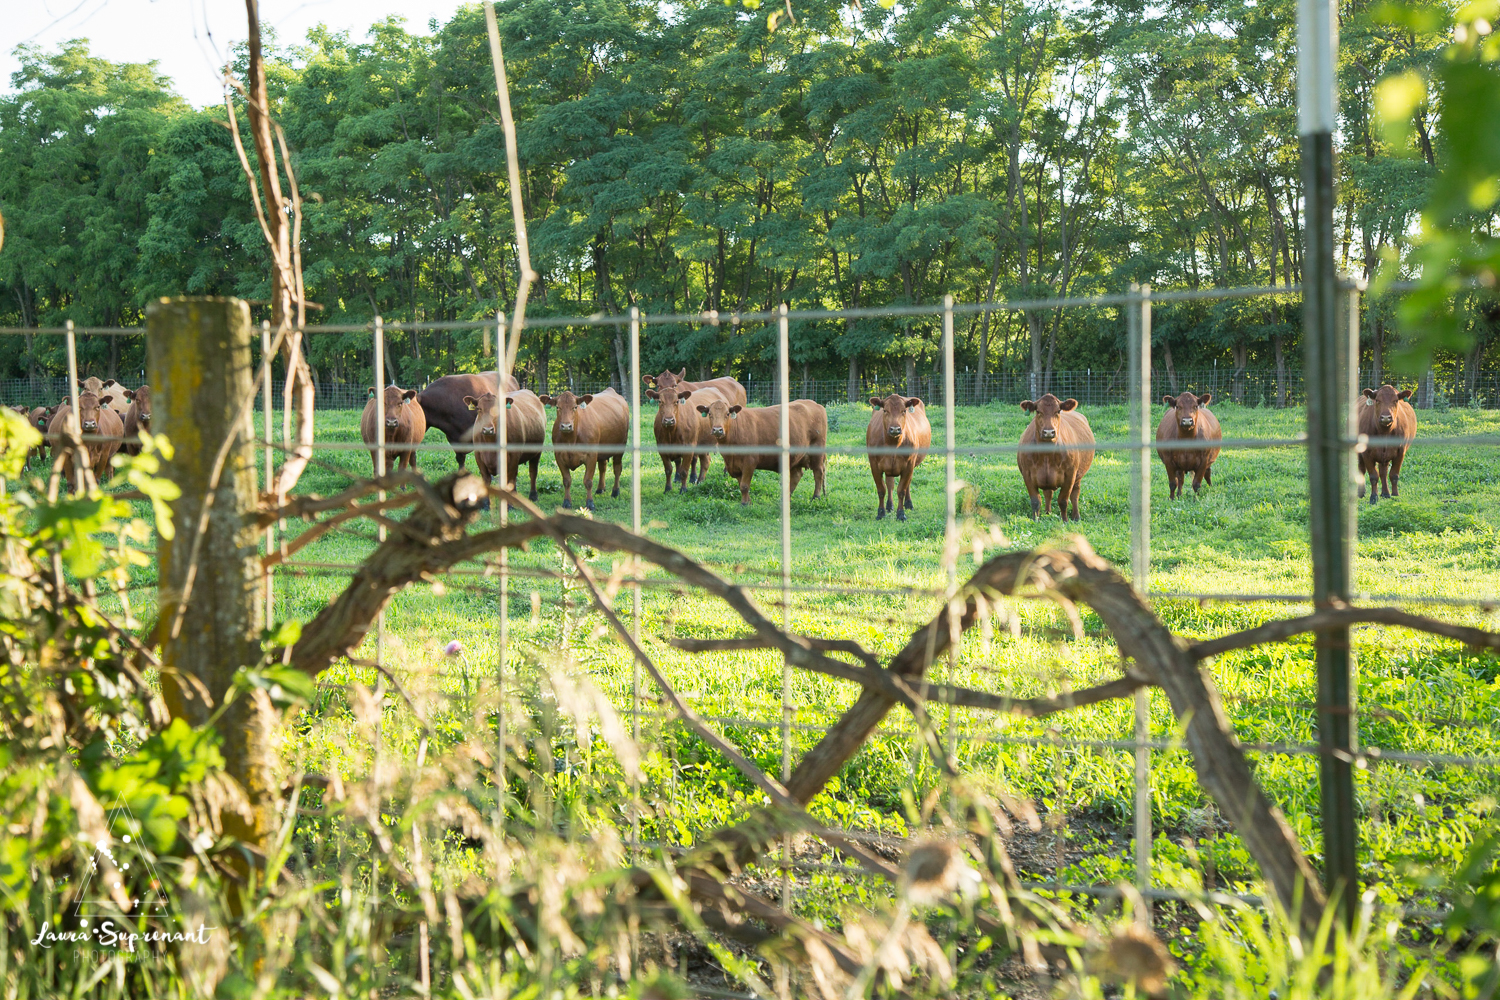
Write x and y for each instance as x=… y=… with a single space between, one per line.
x=142 y=399
x=718 y=413
x=894 y=407
x=1186 y=408
x=91 y=385
x=45 y=417
x=88 y=412
x=568 y=406
x=1384 y=400
x=670 y=399
x=1048 y=410
x=486 y=410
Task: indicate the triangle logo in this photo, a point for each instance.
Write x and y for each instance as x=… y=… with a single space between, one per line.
x=117 y=864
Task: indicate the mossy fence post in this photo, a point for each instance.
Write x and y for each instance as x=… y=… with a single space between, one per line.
x=201 y=378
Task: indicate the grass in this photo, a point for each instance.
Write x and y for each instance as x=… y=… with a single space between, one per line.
x=1245 y=534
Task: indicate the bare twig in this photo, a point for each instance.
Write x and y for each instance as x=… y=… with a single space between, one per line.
x=1279 y=631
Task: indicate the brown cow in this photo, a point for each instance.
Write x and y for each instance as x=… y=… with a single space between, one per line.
x=40 y=418
x=1057 y=422
x=898 y=422
x=96 y=421
x=1385 y=413
x=525 y=423
x=91 y=384
x=599 y=418
x=405 y=426
x=682 y=436
x=727 y=387
x=444 y=408
x=736 y=426
x=1187 y=420
x=137 y=418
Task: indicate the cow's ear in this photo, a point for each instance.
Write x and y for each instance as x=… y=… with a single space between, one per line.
x=130 y=394
x=408 y=395
x=509 y=402
x=1069 y=404
x=648 y=379
x=734 y=411
x=471 y=402
x=372 y=393
x=682 y=375
x=913 y=401
x=652 y=394
x=1368 y=394
x=1205 y=399
x=547 y=400
x=684 y=395
x=877 y=402
x=1168 y=401
x=703 y=409
x=586 y=399
x=1028 y=406
x=1404 y=394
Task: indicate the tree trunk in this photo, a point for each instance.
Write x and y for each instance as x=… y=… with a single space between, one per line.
x=199 y=353
x=853 y=378
x=1240 y=358
x=911 y=375
x=543 y=361
x=1034 y=330
x=1166 y=359
x=1377 y=354
x=1279 y=343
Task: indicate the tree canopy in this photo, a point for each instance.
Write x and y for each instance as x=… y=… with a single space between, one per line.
x=706 y=156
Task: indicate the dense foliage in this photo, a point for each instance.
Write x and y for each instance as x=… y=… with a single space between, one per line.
x=704 y=155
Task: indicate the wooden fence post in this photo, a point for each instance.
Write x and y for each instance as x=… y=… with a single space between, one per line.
x=199 y=357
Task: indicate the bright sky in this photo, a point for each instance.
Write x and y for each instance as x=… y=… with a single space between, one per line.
x=188 y=39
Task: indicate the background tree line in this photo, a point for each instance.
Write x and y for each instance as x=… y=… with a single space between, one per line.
x=699 y=156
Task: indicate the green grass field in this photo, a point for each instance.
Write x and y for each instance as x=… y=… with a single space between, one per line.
x=1245 y=534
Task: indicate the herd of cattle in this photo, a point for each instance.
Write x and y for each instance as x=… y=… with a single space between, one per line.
x=695 y=420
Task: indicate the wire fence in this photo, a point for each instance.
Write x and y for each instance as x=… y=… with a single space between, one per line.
x=1450 y=386
x=1139 y=386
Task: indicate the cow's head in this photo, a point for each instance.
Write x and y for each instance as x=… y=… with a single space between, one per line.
x=142 y=399
x=485 y=408
x=895 y=407
x=45 y=417
x=91 y=385
x=666 y=379
x=568 y=406
x=1385 y=399
x=395 y=397
x=1186 y=406
x=717 y=413
x=669 y=398
x=1048 y=410
x=88 y=412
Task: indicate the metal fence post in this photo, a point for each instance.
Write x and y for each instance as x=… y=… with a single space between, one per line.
x=635 y=568
x=950 y=514
x=75 y=427
x=1329 y=414
x=788 y=711
x=1138 y=348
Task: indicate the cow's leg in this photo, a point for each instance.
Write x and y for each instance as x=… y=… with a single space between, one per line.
x=666 y=466
x=1036 y=503
x=1396 y=473
x=588 y=482
x=1064 y=494
x=820 y=476
x=567 y=478
x=1048 y=511
x=903 y=499
x=1385 y=479
x=618 y=462
x=1208 y=474
x=796 y=477
x=745 y=479
x=890 y=493
x=1077 y=487
x=1197 y=479
x=534 y=463
x=879 y=493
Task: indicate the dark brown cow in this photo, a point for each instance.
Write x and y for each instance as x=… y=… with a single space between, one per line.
x=681 y=433
x=96 y=421
x=443 y=405
x=137 y=418
x=898 y=422
x=1057 y=423
x=599 y=418
x=737 y=426
x=405 y=426
x=40 y=418
x=1385 y=413
x=727 y=387
x=525 y=423
x=1187 y=419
